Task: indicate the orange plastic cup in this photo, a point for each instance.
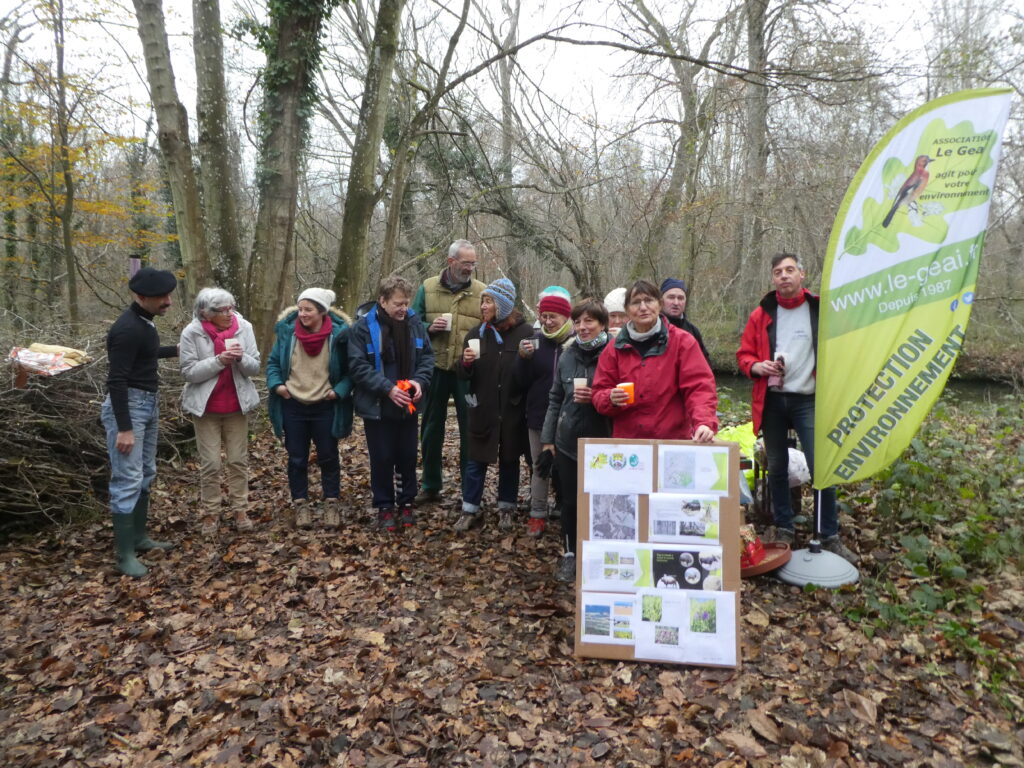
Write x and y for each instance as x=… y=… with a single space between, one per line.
x=627 y=387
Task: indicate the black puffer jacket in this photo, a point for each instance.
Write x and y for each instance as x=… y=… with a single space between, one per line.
x=567 y=421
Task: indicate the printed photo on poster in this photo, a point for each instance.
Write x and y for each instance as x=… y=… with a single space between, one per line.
x=613 y=516
x=610 y=566
x=617 y=468
x=608 y=618
x=681 y=518
x=686 y=627
x=696 y=569
x=694 y=469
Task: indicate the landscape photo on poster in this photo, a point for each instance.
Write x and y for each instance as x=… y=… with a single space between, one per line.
x=699 y=569
x=608 y=618
x=613 y=516
x=683 y=518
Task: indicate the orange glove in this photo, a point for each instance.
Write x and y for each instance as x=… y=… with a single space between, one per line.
x=405 y=385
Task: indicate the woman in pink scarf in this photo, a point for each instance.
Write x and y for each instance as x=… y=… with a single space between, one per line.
x=218 y=357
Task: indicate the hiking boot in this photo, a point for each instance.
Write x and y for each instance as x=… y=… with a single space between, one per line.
x=835 y=545
x=332 y=519
x=535 y=527
x=566 y=570
x=303 y=514
x=243 y=523
x=386 y=520
x=428 y=497
x=505 y=521
x=208 y=525
x=467 y=521
x=780 y=535
x=407 y=516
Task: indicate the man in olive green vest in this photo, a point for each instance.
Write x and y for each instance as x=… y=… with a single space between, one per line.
x=449 y=305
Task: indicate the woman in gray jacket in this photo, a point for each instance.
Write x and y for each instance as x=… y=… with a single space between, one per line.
x=218 y=358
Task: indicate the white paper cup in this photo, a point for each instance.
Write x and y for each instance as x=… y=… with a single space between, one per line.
x=232 y=344
x=474 y=344
x=578 y=383
x=447 y=317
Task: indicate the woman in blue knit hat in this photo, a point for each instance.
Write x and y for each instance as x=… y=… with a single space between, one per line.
x=497 y=421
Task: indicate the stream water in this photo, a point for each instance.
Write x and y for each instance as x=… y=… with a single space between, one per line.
x=973 y=391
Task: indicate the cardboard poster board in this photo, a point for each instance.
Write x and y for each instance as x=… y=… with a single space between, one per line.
x=658 y=551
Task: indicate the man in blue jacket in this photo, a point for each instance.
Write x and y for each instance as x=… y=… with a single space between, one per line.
x=391 y=362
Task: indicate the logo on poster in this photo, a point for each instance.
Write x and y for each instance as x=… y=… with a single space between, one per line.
x=618 y=461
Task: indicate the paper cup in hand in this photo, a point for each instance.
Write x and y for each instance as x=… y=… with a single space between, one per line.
x=232 y=344
x=627 y=387
x=474 y=344
x=447 y=317
x=580 y=383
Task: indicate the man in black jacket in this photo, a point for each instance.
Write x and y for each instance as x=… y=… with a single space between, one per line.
x=131 y=413
x=673 y=298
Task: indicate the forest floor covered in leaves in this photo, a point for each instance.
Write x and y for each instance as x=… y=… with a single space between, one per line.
x=288 y=648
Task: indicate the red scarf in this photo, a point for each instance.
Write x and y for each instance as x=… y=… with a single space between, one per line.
x=793 y=303
x=313 y=342
x=224 y=398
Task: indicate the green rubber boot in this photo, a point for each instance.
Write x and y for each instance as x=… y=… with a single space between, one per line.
x=141 y=517
x=124 y=544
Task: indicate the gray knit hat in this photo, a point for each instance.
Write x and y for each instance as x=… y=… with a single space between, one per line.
x=504 y=295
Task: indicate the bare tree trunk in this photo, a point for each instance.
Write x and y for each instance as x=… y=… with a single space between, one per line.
x=396 y=210
x=755 y=169
x=514 y=252
x=215 y=155
x=67 y=208
x=9 y=134
x=175 y=146
x=293 y=54
x=690 y=148
x=361 y=194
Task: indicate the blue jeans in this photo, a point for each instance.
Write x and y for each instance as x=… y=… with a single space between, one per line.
x=132 y=473
x=304 y=423
x=783 y=411
x=473 y=485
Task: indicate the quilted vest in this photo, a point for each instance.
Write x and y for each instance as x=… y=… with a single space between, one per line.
x=465 y=308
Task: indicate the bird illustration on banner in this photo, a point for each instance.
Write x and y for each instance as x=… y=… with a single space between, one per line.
x=911 y=188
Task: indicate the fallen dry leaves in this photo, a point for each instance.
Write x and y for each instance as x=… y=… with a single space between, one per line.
x=287 y=649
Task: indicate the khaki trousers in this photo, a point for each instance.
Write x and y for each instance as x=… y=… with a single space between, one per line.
x=230 y=431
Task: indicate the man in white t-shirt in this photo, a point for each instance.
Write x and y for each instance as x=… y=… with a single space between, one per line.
x=778 y=351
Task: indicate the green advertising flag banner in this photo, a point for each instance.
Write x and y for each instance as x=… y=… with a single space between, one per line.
x=899 y=280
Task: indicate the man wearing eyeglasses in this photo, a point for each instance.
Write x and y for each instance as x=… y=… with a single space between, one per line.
x=450 y=305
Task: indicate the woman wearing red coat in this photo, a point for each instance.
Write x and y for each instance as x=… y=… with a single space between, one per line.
x=674 y=389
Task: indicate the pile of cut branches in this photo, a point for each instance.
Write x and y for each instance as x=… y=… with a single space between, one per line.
x=53 y=458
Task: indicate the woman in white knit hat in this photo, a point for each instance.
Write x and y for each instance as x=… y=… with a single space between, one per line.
x=311 y=397
x=615 y=303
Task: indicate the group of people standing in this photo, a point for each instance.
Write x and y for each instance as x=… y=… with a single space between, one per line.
x=631 y=366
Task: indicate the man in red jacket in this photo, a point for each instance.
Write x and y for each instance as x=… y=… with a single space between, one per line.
x=778 y=351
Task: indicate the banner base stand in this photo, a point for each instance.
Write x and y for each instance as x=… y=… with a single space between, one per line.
x=823 y=569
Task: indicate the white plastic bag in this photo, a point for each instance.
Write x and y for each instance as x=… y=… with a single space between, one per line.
x=799 y=472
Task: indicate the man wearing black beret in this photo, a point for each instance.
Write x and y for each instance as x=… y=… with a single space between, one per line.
x=131 y=413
